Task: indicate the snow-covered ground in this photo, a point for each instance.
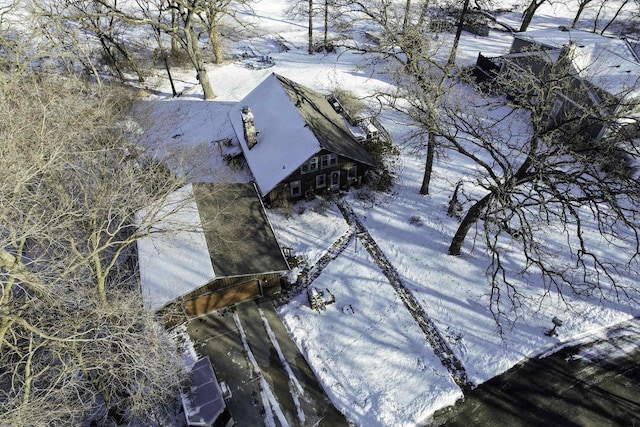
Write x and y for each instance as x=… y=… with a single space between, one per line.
x=366 y=349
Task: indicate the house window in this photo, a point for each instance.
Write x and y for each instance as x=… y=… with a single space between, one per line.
x=352 y=173
x=313 y=164
x=310 y=166
x=328 y=160
x=296 y=189
x=321 y=181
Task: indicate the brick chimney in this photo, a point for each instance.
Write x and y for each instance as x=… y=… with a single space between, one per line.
x=250 y=133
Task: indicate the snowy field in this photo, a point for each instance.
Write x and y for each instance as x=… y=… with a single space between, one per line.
x=366 y=349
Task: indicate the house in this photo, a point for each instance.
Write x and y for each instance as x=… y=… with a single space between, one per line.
x=202 y=398
x=295 y=142
x=210 y=246
x=603 y=76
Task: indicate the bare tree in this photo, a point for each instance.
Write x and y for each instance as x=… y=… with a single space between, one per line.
x=529 y=13
x=178 y=19
x=409 y=39
x=541 y=168
x=75 y=344
x=582 y=4
x=90 y=21
x=621 y=6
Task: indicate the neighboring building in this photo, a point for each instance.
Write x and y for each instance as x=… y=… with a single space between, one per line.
x=202 y=398
x=295 y=143
x=210 y=246
x=604 y=75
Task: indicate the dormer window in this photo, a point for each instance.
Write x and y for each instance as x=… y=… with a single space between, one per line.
x=310 y=166
x=328 y=160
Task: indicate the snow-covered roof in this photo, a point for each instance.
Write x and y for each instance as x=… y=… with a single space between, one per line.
x=202 y=232
x=609 y=63
x=202 y=401
x=174 y=258
x=293 y=123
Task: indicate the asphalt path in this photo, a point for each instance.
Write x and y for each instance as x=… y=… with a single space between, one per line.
x=271 y=383
x=597 y=384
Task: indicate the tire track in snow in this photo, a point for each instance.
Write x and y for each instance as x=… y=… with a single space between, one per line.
x=433 y=336
x=295 y=388
x=269 y=402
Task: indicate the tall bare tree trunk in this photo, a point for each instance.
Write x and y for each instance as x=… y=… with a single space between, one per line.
x=214 y=40
x=622 y=5
x=529 y=12
x=196 y=58
x=405 y=21
x=472 y=216
x=310 y=27
x=165 y=59
x=456 y=39
x=428 y=167
x=581 y=7
x=326 y=23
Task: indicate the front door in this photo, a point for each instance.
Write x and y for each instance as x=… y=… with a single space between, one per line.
x=334 y=180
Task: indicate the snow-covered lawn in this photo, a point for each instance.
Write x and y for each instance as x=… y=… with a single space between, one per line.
x=365 y=348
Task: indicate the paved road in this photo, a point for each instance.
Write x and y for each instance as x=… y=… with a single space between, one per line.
x=271 y=382
x=600 y=390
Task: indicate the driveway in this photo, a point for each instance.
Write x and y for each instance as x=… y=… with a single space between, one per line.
x=270 y=381
x=597 y=385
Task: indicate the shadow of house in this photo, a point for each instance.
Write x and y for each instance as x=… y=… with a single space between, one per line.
x=210 y=246
x=600 y=90
x=295 y=143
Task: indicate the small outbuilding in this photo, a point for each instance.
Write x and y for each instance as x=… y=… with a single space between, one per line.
x=210 y=246
x=202 y=398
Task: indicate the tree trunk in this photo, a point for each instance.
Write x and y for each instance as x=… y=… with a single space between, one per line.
x=405 y=22
x=165 y=59
x=428 y=167
x=456 y=39
x=529 y=13
x=310 y=27
x=581 y=7
x=326 y=23
x=470 y=218
x=214 y=40
x=624 y=3
x=175 y=46
x=196 y=58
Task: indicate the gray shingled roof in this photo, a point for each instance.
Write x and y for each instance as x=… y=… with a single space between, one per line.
x=238 y=234
x=326 y=124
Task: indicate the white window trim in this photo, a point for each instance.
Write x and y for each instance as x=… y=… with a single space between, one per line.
x=296 y=185
x=308 y=166
x=324 y=180
x=328 y=160
x=313 y=164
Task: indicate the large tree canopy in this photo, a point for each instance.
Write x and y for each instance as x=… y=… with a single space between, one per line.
x=75 y=343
